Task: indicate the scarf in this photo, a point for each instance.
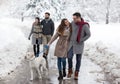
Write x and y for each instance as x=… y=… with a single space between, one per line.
x=80 y=24
x=47 y=20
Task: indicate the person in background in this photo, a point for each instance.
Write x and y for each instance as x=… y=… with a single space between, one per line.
x=48 y=30
x=63 y=33
x=36 y=33
x=80 y=33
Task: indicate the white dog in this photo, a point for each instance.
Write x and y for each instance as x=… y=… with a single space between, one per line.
x=37 y=63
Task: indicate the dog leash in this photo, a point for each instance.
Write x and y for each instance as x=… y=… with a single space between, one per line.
x=46 y=47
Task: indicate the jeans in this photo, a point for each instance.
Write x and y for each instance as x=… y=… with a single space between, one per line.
x=61 y=63
x=46 y=39
x=70 y=60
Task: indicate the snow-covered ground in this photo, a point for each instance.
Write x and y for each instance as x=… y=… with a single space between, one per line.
x=13 y=45
x=103 y=49
x=109 y=35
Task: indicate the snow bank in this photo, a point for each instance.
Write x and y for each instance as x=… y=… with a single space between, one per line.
x=103 y=49
x=13 y=45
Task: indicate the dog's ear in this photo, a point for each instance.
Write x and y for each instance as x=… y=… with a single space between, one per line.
x=32 y=55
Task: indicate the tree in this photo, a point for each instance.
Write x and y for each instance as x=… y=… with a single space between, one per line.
x=108 y=11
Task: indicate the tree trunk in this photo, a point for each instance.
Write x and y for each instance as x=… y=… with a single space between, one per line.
x=107 y=17
x=119 y=18
x=108 y=12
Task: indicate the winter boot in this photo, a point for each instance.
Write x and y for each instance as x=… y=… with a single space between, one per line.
x=64 y=72
x=37 y=55
x=60 y=75
x=76 y=75
x=70 y=72
x=45 y=56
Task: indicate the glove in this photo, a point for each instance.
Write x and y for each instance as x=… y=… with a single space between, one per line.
x=45 y=56
x=28 y=38
x=46 y=46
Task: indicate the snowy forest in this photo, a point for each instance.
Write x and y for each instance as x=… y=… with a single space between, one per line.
x=104 y=11
x=101 y=57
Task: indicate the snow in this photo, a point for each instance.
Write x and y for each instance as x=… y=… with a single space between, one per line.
x=107 y=34
x=64 y=8
x=103 y=49
x=90 y=73
x=13 y=45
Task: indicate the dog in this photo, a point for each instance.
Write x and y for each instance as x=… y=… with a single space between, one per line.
x=37 y=63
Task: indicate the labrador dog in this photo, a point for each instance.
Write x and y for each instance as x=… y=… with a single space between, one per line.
x=38 y=64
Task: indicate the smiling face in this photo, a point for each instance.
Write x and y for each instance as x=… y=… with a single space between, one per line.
x=76 y=19
x=36 y=20
x=47 y=15
x=66 y=22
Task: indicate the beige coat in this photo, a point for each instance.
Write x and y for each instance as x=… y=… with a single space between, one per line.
x=62 y=43
x=36 y=33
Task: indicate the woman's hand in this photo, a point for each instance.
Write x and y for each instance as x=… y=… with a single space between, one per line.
x=48 y=44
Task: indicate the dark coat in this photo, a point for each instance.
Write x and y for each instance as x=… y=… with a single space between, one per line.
x=48 y=26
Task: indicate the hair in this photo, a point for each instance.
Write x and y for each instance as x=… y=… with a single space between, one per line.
x=62 y=26
x=47 y=13
x=38 y=21
x=77 y=14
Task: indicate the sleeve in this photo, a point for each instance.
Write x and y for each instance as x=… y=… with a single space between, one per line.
x=42 y=22
x=31 y=32
x=53 y=38
x=52 y=28
x=87 y=32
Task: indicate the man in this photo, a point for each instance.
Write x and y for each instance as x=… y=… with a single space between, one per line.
x=48 y=30
x=80 y=33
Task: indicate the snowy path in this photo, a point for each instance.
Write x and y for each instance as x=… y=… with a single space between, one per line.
x=85 y=77
x=22 y=74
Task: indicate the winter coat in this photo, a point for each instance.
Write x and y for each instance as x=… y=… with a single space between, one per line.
x=48 y=26
x=85 y=34
x=36 y=33
x=62 y=43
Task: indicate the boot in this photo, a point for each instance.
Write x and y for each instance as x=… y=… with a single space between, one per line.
x=37 y=55
x=45 y=56
x=76 y=75
x=60 y=75
x=70 y=72
x=64 y=72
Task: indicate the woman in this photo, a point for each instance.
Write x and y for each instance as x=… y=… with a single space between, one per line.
x=63 y=32
x=36 y=33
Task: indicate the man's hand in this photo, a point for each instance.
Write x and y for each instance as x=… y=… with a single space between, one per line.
x=46 y=46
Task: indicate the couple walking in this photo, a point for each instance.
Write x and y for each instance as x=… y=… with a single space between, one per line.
x=41 y=33
x=71 y=41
